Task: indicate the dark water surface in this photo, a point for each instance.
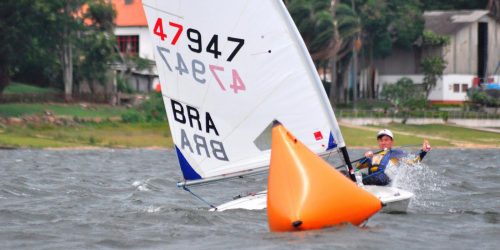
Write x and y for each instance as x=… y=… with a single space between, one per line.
x=127 y=199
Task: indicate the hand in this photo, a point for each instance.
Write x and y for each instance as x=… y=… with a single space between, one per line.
x=426 y=146
x=369 y=154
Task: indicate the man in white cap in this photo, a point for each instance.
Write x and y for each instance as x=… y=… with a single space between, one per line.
x=376 y=163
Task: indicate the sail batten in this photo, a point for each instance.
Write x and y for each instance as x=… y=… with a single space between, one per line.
x=226 y=77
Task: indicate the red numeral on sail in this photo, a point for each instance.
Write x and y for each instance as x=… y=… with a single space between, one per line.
x=213 y=68
x=158 y=29
x=237 y=85
x=179 y=31
x=237 y=82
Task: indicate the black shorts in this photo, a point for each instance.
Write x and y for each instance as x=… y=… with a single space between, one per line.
x=379 y=179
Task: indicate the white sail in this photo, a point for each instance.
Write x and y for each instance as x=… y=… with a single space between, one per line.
x=228 y=69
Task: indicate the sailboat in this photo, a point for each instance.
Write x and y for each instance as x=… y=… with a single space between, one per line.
x=230 y=68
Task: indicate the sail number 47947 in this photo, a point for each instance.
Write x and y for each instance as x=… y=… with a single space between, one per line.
x=195 y=38
x=197 y=68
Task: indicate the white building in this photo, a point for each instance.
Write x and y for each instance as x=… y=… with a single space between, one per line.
x=133 y=39
x=473 y=55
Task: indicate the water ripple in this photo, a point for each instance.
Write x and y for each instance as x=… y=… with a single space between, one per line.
x=94 y=199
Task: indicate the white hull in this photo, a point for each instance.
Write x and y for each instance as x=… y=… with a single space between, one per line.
x=396 y=200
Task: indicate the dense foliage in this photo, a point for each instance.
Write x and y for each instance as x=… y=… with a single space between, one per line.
x=59 y=43
x=404 y=94
x=481 y=97
x=429 y=38
x=390 y=23
x=152 y=109
x=433 y=67
x=46 y=42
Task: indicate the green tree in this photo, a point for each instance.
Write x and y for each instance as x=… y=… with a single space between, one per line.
x=315 y=23
x=346 y=28
x=404 y=94
x=52 y=38
x=433 y=65
x=96 y=47
x=387 y=24
x=19 y=18
x=328 y=29
x=484 y=98
x=64 y=28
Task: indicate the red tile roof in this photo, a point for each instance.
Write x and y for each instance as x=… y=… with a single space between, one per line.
x=131 y=14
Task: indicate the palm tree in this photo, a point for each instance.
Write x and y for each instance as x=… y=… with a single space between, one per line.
x=314 y=21
x=348 y=28
x=328 y=29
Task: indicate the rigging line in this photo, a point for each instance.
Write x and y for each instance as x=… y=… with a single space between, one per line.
x=330 y=154
x=201 y=199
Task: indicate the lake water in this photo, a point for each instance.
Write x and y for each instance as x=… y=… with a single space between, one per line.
x=127 y=199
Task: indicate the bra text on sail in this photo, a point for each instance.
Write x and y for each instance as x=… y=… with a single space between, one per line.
x=185 y=115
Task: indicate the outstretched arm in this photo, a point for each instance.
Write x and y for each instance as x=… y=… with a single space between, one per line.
x=426 y=147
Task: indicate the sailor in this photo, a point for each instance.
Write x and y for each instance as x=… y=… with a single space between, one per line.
x=377 y=162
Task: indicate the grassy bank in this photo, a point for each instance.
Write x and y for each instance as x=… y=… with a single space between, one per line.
x=69 y=110
x=21 y=88
x=459 y=135
x=133 y=135
x=107 y=134
x=366 y=137
x=439 y=135
x=84 y=127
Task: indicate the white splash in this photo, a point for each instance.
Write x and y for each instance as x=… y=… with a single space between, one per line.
x=141 y=186
x=419 y=179
x=152 y=209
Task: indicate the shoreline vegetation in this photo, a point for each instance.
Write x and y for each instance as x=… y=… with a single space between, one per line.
x=156 y=135
x=95 y=126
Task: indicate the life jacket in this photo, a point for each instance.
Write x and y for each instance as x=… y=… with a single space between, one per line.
x=380 y=161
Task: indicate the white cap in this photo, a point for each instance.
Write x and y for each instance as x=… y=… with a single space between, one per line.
x=385 y=132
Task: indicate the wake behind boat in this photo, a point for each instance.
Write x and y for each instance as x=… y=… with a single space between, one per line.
x=228 y=69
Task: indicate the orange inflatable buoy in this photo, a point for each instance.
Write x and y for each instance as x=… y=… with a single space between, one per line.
x=305 y=192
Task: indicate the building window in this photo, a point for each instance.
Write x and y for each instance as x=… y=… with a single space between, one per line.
x=456 y=88
x=465 y=87
x=128 y=44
